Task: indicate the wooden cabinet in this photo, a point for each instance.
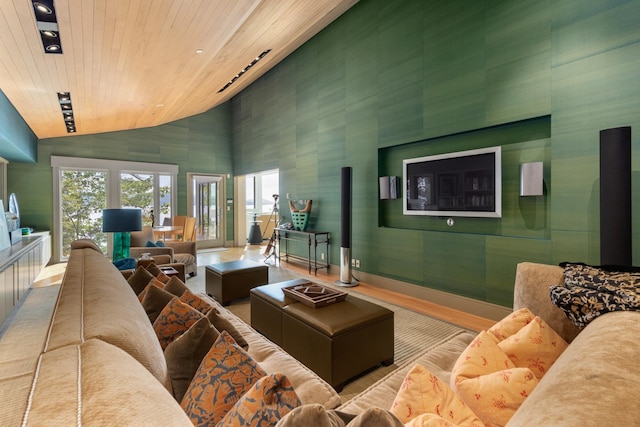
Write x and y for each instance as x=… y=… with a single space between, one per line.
x=19 y=266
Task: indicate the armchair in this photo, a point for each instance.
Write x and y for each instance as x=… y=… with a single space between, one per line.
x=180 y=252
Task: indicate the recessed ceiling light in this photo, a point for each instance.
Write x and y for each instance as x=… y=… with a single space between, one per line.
x=47 y=24
x=41 y=7
x=199 y=51
x=245 y=69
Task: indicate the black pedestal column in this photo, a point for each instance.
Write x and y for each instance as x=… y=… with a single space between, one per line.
x=346 y=277
x=615 y=196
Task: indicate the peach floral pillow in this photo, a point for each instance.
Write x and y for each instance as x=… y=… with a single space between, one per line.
x=430 y=420
x=482 y=356
x=422 y=393
x=488 y=382
x=511 y=324
x=536 y=346
x=495 y=397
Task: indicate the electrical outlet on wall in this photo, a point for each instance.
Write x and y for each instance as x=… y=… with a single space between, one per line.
x=322 y=256
x=353 y=262
x=357 y=263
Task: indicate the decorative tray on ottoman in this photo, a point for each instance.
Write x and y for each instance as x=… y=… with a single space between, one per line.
x=314 y=295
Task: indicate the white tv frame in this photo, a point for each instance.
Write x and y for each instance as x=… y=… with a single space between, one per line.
x=496 y=213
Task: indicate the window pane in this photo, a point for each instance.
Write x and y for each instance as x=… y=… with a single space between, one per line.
x=83 y=196
x=251 y=193
x=269 y=188
x=165 y=199
x=136 y=191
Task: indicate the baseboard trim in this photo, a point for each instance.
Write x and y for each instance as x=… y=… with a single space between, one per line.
x=456 y=302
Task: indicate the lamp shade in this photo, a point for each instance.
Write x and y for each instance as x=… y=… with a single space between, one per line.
x=119 y=220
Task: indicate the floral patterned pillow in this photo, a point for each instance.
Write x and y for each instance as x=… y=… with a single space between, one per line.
x=536 y=346
x=488 y=382
x=174 y=319
x=588 y=292
x=511 y=324
x=195 y=301
x=224 y=376
x=423 y=393
x=270 y=399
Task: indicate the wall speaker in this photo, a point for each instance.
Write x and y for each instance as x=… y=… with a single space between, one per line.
x=531 y=179
x=615 y=196
x=388 y=187
x=346 y=278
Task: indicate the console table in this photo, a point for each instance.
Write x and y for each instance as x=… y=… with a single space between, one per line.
x=311 y=239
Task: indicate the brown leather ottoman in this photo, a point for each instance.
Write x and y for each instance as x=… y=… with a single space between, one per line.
x=266 y=308
x=341 y=340
x=231 y=280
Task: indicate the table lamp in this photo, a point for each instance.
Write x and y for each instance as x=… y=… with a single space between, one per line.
x=121 y=222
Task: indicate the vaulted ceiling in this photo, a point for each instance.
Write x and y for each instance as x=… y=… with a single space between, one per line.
x=139 y=63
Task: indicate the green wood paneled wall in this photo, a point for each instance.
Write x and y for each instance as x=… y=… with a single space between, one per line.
x=200 y=143
x=391 y=72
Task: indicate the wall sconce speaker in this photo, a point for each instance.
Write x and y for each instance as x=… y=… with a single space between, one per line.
x=531 y=179
x=388 y=187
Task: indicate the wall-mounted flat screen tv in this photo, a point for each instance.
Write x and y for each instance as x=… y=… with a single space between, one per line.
x=464 y=183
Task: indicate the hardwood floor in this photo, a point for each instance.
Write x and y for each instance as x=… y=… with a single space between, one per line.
x=255 y=252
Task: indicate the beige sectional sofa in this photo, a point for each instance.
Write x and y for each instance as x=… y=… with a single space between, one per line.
x=83 y=352
x=595 y=382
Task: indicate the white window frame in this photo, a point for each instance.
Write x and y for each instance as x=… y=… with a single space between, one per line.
x=113 y=169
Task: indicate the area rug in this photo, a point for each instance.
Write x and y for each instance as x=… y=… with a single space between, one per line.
x=413 y=331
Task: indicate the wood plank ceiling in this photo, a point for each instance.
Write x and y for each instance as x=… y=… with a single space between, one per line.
x=133 y=63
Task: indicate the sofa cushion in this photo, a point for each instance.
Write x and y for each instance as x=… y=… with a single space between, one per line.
x=76 y=385
x=317 y=416
x=531 y=290
x=264 y=404
x=174 y=320
x=154 y=282
x=223 y=324
x=593 y=382
x=97 y=302
x=140 y=279
x=175 y=286
x=422 y=392
x=154 y=301
x=85 y=244
x=225 y=374
x=186 y=352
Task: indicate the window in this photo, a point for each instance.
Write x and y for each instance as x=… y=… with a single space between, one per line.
x=83 y=187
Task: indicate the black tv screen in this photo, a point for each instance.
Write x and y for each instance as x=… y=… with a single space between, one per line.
x=465 y=183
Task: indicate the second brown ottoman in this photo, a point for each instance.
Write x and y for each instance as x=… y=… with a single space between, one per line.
x=231 y=280
x=266 y=308
x=341 y=340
